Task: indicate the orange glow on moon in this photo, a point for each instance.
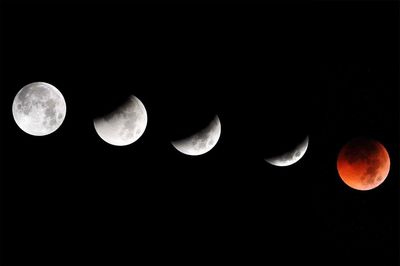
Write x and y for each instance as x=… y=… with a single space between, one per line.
x=363 y=164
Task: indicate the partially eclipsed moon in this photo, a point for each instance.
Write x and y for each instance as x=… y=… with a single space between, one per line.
x=125 y=125
x=201 y=142
x=290 y=157
x=39 y=108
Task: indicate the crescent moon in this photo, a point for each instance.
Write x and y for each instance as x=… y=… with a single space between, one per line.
x=202 y=141
x=124 y=125
x=290 y=157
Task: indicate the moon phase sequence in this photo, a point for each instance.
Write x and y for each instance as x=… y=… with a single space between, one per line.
x=125 y=125
x=39 y=109
x=202 y=141
x=290 y=157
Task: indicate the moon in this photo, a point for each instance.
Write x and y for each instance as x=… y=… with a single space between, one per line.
x=39 y=109
x=124 y=125
x=363 y=164
x=202 y=141
x=290 y=157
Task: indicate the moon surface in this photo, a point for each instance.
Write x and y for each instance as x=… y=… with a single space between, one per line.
x=363 y=164
x=202 y=141
x=124 y=125
x=290 y=157
x=39 y=109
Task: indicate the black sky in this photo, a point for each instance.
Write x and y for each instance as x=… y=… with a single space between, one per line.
x=273 y=74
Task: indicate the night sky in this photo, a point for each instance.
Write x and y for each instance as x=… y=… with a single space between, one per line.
x=274 y=74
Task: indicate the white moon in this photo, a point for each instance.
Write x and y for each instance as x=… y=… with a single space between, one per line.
x=290 y=157
x=125 y=125
x=201 y=142
x=39 y=109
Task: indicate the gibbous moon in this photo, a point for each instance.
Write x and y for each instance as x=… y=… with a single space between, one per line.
x=124 y=125
x=201 y=142
x=363 y=164
x=290 y=157
x=39 y=109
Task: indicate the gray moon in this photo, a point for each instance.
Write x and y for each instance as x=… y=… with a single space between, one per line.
x=202 y=141
x=39 y=109
x=124 y=125
x=290 y=157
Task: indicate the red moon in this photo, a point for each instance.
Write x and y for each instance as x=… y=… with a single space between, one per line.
x=363 y=164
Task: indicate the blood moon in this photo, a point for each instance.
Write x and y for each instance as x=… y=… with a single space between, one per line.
x=363 y=164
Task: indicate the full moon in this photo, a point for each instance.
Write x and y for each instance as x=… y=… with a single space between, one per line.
x=363 y=164
x=124 y=125
x=290 y=157
x=39 y=109
x=202 y=141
